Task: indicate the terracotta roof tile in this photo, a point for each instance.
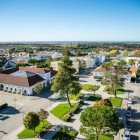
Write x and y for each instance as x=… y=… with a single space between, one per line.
x=35 y=70
x=20 y=81
x=19 y=61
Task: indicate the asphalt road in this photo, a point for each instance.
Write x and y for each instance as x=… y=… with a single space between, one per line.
x=135 y=120
x=16 y=110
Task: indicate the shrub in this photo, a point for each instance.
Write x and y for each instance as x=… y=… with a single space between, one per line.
x=81 y=102
x=107 y=89
x=66 y=117
x=105 y=102
x=74 y=109
x=3 y=106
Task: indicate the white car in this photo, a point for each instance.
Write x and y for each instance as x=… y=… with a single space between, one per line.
x=126 y=135
x=129 y=100
x=55 y=96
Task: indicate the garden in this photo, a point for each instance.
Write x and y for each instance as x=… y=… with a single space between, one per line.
x=65 y=134
x=89 y=87
x=64 y=112
x=29 y=133
x=76 y=96
x=109 y=90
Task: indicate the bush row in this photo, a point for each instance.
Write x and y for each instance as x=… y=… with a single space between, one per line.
x=72 y=110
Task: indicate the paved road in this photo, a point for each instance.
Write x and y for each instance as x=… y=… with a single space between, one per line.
x=18 y=109
x=135 y=134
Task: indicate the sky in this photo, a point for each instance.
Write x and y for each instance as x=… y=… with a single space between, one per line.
x=69 y=20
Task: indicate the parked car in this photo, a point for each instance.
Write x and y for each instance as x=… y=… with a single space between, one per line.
x=128 y=114
x=55 y=96
x=128 y=125
x=130 y=100
x=129 y=109
x=126 y=135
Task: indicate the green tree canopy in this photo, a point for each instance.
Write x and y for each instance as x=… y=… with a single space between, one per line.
x=65 y=82
x=138 y=72
x=95 y=119
x=131 y=61
x=43 y=114
x=38 y=88
x=94 y=88
x=32 y=61
x=31 y=120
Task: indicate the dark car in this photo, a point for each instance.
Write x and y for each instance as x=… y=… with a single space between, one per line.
x=129 y=109
x=128 y=125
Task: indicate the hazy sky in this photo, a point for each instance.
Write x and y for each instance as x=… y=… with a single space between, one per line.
x=69 y=20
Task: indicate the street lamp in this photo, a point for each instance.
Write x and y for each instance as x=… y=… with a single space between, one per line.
x=15 y=102
x=23 y=114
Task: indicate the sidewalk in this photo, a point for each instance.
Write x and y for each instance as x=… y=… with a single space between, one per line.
x=74 y=122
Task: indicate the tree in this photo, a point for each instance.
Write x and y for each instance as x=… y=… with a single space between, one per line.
x=43 y=114
x=138 y=72
x=94 y=119
x=115 y=73
x=115 y=83
x=65 y=51
x=32 y=61
x=94 y=88
x=131 y=61
x=65 y=82
x=48 y=62
x=31 y=121
x=38 y=88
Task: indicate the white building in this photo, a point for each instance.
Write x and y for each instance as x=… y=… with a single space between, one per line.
x=23 y=79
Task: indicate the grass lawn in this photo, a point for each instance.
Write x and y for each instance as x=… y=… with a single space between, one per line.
x=65 y=135
x=76 y=97
x=117 y=102
x=86 y=87
x=108 y=90
x=89 y=87
x=61 y=111
x=104 y=137
x=119 y=91
x=94 y=97
x=28 y=133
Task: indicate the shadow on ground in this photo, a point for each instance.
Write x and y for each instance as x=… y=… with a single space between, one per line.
x=9 y=111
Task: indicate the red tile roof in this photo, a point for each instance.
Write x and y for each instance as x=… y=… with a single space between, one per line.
x=20 y=81
x=19 y=61
x=34 y=70
x=133 y=69
x=100 y=69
